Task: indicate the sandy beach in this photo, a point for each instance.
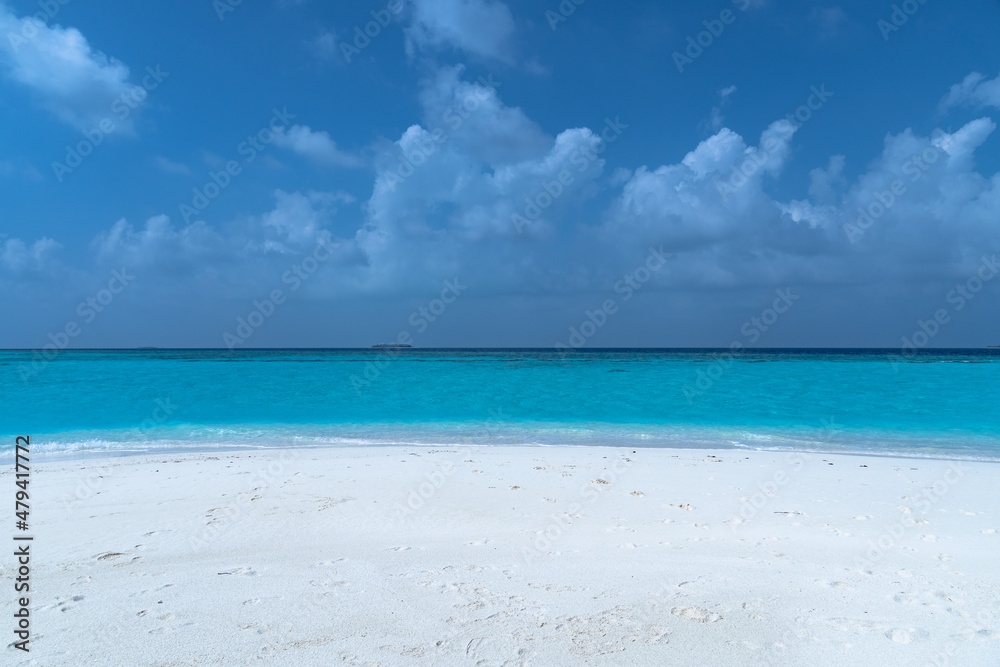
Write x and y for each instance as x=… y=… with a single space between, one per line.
x=511 y=556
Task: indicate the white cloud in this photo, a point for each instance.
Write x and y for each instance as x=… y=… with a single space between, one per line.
x=444 y=195
x=169 y=166
x=160 y=244
x=477 y=122
x=324 y=45
x=244 y=255
x=716 y=119
x=298 y=218
x=315 y=145
x=17 y=256
x=824 y=182
x=481 y=28
x=975 y=90
x=741 y=235
x=68 y=77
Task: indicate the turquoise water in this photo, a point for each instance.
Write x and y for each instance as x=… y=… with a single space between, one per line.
x=937 y=403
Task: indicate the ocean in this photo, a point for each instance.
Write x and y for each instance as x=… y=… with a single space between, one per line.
x=936 y=403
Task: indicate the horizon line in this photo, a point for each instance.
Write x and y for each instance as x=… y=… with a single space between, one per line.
x=550 y=348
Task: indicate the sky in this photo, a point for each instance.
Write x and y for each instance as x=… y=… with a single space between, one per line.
x=479 y=173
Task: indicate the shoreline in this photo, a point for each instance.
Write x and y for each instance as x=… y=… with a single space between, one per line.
x=532 y=555
x=97 y=454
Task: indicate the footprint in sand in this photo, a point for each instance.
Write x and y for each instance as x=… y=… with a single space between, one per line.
x=64 y=604
x=696 y=614
x=898 y=635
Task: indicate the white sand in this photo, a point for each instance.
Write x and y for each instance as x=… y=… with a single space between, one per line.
x=211 y=559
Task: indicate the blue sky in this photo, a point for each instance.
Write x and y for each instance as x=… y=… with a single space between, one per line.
x=349 y=178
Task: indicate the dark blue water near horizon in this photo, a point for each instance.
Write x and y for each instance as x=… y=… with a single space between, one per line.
x=879 y=401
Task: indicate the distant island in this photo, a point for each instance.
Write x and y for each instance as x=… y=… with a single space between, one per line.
x=394 y=345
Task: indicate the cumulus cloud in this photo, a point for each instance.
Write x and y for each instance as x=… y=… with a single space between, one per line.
x=160 y=244
x=236 y=259
x=315 y=145
x=714 y=208
x=18 y=257
x=482 y=28
x=714 y=195
x=477 y=122
x=975 y=90
x=448 y=197
x=298 y=219
x=68 y=77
